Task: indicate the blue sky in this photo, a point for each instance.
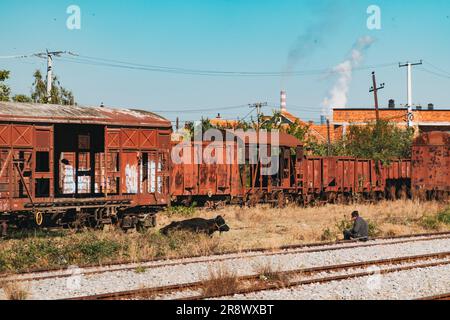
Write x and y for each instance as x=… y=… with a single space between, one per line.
x=253 y=35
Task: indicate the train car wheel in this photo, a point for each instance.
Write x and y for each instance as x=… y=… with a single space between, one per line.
x=39 y=218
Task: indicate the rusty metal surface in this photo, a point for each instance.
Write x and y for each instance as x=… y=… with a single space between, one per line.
x=208 y=178
x=51 y=164
x=47 y=113
x=431 y=162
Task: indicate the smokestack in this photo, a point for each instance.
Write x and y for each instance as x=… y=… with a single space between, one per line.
x=392 y=104
x=283 y=100
x=430 y=106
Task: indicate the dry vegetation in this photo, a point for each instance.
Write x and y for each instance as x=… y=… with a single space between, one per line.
x=221 y=282
x=269 y=272
x=261 y=227
x=14 y=291
x=268 y=227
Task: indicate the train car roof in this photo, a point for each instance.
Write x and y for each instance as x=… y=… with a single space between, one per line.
x=281 y=139
x=50 y=113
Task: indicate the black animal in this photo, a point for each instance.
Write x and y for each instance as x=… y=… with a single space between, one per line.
x=198 y=225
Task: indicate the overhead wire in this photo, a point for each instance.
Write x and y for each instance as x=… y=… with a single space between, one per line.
x=438 y=68
x=434 y=73
x=80 y=59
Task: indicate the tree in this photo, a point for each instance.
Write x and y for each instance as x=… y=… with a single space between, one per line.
x=22 y=98
x=39 y=92
x=382 y=140
x=5 y=91
x=58 y=94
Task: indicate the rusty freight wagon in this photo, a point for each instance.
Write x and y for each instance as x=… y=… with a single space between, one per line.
x=203 y=175
x=72 y=165
x=343 y=179
x=431 y=165
x=235 y=174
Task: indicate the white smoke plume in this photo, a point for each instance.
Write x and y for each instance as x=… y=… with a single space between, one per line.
x=338 y=95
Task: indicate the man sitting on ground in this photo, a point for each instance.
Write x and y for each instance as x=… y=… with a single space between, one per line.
x=360 y=230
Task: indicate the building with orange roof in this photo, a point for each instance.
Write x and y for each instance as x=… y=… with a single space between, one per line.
x=224 y=123
x=424 y=120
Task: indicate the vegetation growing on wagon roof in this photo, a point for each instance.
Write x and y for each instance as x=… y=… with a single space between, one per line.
x=381 y=140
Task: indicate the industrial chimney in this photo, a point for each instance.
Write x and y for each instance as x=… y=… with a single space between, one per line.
x=392 y=104
x=283 y=101
x=430 y=106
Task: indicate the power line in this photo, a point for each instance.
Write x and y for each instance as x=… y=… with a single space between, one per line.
x=201 y=110
x=438 y=68
x=152 y=68
x=219 y=72
x=434 y=73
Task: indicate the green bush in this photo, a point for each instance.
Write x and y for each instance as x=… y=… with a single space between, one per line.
x=374 y=231
x=327 y=235
x=430 y=222
x=181 y=210
x=444 y=216
x=344 y=224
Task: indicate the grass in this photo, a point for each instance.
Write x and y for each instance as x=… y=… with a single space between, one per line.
x=268 y=272
x=258 y=227
x=181 y=211
x=434 y=222
x=96 y=248
x=140 y=269
x=221 y=282
x=14 y=291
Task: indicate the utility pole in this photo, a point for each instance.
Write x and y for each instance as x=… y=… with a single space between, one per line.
x=409 y=66
x=258 y=107
x=375 y=89
x=329 y=137
x=49 y=56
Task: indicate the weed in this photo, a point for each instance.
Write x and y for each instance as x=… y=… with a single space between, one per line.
x=221 y=282
x=14 y=291
x=181 y=211
x=430 y=223
x=344 y=224
x=374 y=230
x=327 y=235
x=140 y=269
x=267 y=272
x=444 y=216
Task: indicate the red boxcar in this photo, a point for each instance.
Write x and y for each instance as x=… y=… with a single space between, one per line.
x=197 y=178
x=70 y=165
x=431 y=164
x=211 y=183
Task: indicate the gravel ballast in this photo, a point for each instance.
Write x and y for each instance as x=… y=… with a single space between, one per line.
x=403 y=285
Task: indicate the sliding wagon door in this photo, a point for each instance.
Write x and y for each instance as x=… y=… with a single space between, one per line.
x=130 y=172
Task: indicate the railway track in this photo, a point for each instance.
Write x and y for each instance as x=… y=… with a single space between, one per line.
x=282 y=279
x=284 y=250
x=445 y=296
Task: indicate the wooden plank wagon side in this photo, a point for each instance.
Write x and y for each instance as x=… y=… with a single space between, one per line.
x=72 y=165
